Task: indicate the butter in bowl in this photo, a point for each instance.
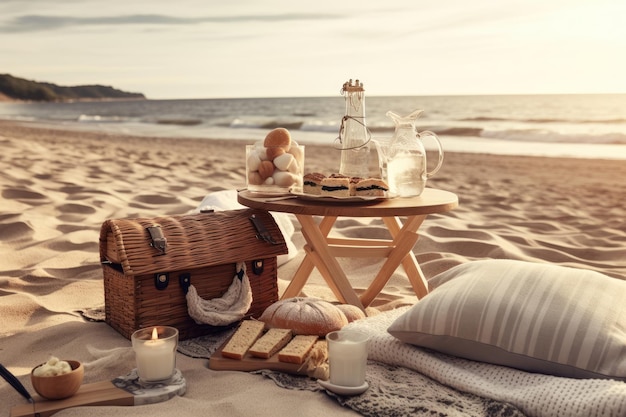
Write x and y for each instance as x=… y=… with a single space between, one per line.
x=57 y=379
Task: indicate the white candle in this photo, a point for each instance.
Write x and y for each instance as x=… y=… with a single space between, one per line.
x=347 y=357
x=155 y=352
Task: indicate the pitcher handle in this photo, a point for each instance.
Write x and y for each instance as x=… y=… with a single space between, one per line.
x=427 y=133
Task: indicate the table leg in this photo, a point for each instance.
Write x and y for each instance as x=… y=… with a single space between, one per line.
x=306 y=267
x=409 y=263
x=327 y=264
x=403 y=243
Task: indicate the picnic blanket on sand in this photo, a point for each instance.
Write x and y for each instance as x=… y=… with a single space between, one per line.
x=407 y=380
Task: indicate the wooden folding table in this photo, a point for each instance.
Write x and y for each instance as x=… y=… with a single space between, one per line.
x=402 y=216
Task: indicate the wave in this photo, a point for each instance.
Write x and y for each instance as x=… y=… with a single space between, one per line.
x=180 y=122
x=96 y=118
x=266 y=124
x=459 y=131
x=466 y=118
x=544 y=120
x=286 y=125
x=520 y=133
x=548 y=136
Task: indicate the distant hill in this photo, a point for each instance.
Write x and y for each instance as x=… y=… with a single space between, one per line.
x=15 y=88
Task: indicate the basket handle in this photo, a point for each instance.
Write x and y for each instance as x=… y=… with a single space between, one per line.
x=225 y=310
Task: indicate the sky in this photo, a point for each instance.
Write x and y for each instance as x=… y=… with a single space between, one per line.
x=170 y=49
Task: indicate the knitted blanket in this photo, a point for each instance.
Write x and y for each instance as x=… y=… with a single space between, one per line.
x=405 y=380
x=394 y=390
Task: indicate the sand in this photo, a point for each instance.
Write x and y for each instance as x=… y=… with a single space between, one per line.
x=57 y=187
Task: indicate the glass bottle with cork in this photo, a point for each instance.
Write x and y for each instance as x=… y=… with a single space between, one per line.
x=354 y=135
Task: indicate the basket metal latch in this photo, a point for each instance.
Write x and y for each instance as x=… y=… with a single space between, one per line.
x=158 y=240
x=261 y=231
x=257 y=266
x=184 y=280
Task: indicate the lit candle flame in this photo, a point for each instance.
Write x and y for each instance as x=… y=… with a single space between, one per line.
x=155 y=335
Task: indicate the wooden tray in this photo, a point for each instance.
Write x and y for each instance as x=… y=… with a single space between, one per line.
x=250 y=363
x=106 y=393
x=99 y=393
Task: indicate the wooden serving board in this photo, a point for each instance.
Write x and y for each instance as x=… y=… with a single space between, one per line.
x=106 y=393
x=250 y=363
x=98 y=393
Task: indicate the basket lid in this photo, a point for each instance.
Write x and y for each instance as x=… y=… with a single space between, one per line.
x=172 y=243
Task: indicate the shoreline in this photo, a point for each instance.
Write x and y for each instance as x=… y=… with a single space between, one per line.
x=560 y=171
x=194 y=129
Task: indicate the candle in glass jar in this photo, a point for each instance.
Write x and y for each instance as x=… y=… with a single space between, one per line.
x=155 y=352
x=347 y=357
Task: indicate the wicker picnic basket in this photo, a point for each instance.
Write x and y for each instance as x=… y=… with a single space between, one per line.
x=149 y=263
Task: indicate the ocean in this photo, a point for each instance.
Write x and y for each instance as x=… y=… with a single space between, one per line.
x=579 y=126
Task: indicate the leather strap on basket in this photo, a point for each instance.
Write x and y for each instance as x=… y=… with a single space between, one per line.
x=229 y=308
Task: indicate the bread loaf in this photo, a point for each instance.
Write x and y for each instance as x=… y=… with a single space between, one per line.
x=297 y=349
x=351 y=312
x=278 y=137
x=247 y=333
x=317 y=361
x=270 y=343
x=304 y=315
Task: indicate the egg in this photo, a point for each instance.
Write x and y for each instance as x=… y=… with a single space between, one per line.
x=283 y=161
x=297 y=151
x=266 y=169
x=284 y=179
x=274 y=152
x=253 y=162
x=254 y=178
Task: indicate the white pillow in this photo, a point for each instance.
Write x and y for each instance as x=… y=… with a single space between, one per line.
x=535 y=317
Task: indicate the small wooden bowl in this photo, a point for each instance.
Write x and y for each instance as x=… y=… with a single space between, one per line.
x=59 y=386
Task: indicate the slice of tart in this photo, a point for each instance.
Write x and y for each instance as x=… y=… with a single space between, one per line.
x=336 y=186
x=312 y=183
x=371 y=187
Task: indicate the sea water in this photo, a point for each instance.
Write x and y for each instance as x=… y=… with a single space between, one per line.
x=406 y=174
x=573 y=125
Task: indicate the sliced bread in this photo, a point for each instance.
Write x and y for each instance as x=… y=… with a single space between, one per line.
x=245 y=336
x=297 y=349
x=270 y=343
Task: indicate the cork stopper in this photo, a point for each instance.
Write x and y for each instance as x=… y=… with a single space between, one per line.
x=350 y=86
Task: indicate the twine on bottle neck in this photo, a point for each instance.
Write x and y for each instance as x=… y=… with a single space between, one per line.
x=359 y=120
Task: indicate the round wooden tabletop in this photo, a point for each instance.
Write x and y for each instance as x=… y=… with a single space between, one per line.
x=429 y=202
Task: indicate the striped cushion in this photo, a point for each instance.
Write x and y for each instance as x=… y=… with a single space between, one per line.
x=535 y=317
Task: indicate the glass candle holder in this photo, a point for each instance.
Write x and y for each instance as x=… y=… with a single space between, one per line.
x=347 y=357
x=155 y=352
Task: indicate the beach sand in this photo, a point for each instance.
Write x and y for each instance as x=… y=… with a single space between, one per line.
x=57 y=187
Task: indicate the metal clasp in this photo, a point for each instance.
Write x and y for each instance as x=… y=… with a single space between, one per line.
x=261 y=231
x=158 y=240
